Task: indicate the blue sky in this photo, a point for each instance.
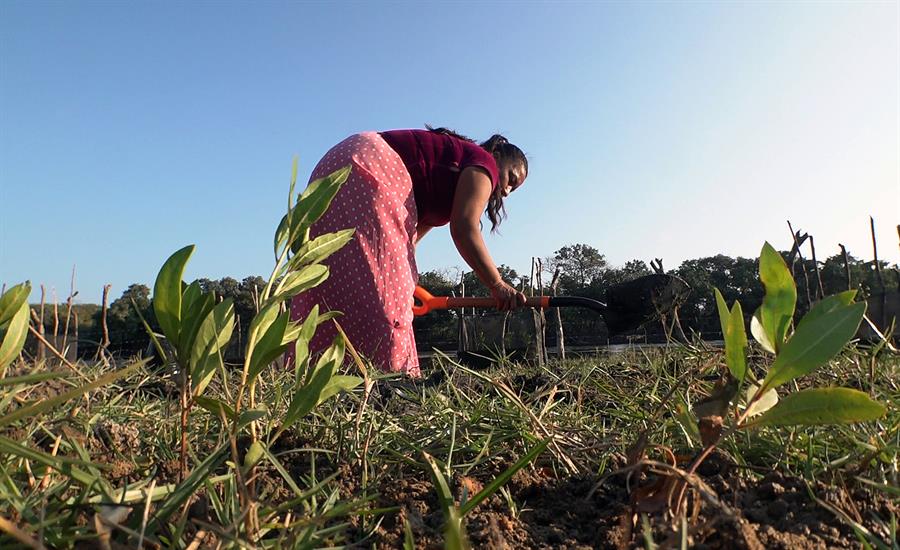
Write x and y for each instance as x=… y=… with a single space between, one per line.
x=654 y=129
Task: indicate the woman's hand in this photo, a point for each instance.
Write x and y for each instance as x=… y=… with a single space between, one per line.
x=506 y=296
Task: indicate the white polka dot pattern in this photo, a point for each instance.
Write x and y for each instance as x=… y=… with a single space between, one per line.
x=374 y=275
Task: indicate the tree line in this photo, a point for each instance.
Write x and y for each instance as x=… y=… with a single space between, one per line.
x=582 y=271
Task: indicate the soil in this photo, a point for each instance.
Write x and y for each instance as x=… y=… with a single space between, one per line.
x=774 y=511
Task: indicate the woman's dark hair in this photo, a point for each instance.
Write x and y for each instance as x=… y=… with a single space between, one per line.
x=501 y=149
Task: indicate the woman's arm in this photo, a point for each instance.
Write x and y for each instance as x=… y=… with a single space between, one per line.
x=473 y=190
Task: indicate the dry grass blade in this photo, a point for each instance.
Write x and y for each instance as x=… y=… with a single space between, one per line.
x=9 y=528
x=44 y=405
x=511 y=395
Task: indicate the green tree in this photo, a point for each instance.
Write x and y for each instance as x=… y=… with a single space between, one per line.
x=734 y=277
x=580 y=265
x=475 y=288
x=126 y=332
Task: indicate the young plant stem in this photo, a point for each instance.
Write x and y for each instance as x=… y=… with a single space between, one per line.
x=185 y=408
x=738 y=425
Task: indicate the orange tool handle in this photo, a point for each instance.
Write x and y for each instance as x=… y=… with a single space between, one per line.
x=423 y=302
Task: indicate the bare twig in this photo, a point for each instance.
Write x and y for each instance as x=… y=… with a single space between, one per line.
x=10 y=529
x=53 y=350
x=40 y=322
x=875 y=253
x=104 y=343
x=847 y=266
x=55 y=318
x=69 y=304
x=796 y=254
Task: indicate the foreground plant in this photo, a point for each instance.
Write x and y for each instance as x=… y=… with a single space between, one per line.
x=817 y=338
x=61 y=487
x=13 y=323
x=198 y=330
x=798 y=350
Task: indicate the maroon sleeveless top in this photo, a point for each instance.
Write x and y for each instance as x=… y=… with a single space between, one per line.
x=434 y=162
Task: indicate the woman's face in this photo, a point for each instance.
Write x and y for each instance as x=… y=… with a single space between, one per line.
x=512 y=176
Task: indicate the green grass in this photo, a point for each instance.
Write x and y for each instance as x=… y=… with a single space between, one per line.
x=104 y=465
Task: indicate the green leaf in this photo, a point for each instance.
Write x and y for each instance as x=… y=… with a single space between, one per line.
x=212 y=337
x=763 y=403
x=167 y=293
x=735 y=337
x=298 y=281
x=215 y=406
x=268 y=347
x=328 y=315
x=33 y=378
x=41 y=406
x=306 y=396
x=454 y=533
x=11 y=301
x=310 y=206
x=814 y=343
x=14 y=336
x=334 y=353
x=66 y=466
x=320 y=248
x=777 y=308
x=338 y=384
x=827 y=305
x=282 y=233
x=261 y=322
x=724 y=312
x=821 y=406
x=307 y=331
x=317 y=196
x=291 y=333
x=759 y=333
x=684 y=418
x=195 y=307
x=251 y=415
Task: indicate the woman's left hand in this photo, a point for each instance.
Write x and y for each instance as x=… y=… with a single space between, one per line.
x=506 y=296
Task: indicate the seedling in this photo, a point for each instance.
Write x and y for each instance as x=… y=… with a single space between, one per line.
x=817 y=338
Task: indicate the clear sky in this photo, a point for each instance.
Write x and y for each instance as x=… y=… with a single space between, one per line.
x=654 y=129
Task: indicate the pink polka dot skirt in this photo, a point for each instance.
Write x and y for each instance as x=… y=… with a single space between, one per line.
x=372 y=277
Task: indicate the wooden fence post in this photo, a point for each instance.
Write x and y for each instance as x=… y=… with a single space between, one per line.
x=463 y=335
x=560 y=335
x=812 y=246
x=536 y=315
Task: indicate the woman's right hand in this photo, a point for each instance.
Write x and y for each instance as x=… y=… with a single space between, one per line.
x=506 y=296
